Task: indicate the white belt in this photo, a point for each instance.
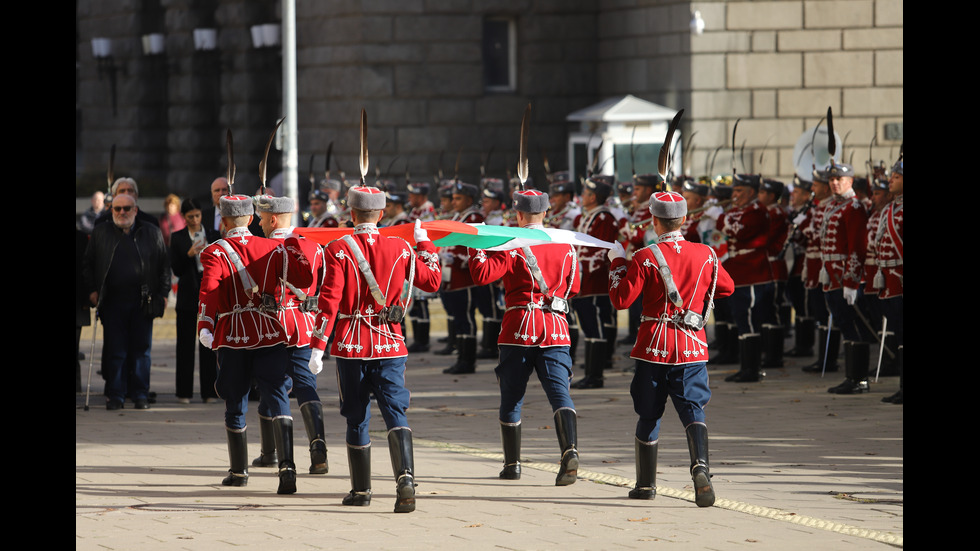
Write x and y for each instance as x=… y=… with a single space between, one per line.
x=888 y=263
x=732 y=252
x=242 y=310
x=833 y=257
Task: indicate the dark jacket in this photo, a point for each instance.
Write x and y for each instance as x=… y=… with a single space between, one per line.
x=153 y=256
x=185 y=267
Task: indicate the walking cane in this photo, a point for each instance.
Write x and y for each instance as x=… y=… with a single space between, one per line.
x=881 y=351
x=91 y=360
x=826 y=350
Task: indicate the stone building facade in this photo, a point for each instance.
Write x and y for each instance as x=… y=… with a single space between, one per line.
x=445 y=77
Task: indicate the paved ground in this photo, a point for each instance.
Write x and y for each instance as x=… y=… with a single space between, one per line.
x=792 y=465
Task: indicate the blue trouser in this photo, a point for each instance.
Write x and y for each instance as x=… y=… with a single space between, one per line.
x=553 y=366
x=419 y=312
x=845 y=315
x=298 y=377
x=358 y=379
x=894 y=310
x=594 y=316
x=687 y=386
x=752 y=307
x=127 y=340
x=816 y=306
x=236 y=369
x=462 y=305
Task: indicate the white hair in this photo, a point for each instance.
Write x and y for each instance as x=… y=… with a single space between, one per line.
x=132 y=182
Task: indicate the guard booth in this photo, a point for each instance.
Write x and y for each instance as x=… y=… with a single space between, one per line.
x=608 y=129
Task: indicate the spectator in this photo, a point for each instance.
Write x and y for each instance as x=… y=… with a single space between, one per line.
x=185 y=260
x=128 y=280
x=126 y=186
x=87 y=221
x=172 y=219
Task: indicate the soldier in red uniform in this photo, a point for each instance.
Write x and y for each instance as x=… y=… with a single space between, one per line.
x=843 y=248
x=297 y=313
x=423 y=211
x=678 y=281
x=538 y=283
x=890 y=247
x=362 y=305
x=828 y=345
x=880 y=197
x=804 y=326
x=239 y=318
x=461 y=296
x=746 y=226
x=696 y=195
x=563 y=213
x=639 y=233
x=592 y=306
x=773 y=333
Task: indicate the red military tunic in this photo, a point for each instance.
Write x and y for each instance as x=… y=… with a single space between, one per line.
x=349 y=311
x=660 y=340
x=459 y=274
x=843 y=242
x=425 y=213
x=778 y=233
x=601 y=224
x=871 y=255
x=234 y=313
x=294 y=317
x=747 y=232
x=639 y=229
x=528 y=320
x=811 y=232
x=890 y=247
x=799 y=241
x=690 y=228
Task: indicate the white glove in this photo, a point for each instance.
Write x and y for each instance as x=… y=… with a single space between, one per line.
x=714 y=212
x=800 y=218
x=420 y=234
x=316 y=361
x=206 y=338
x=616 y=252
x=850 y=295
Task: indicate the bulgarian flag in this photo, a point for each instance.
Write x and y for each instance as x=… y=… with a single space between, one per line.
x=447 y=233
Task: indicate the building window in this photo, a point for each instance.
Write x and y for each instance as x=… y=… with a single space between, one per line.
x=500 y=54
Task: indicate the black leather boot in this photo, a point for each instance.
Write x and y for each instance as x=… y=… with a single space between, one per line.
x=823 y=350
x=450 y=348
x=313 y=421
x=646 y=471
x=751 y=360
x=573 y=334
x=772 y=343
x=267 y=445
x=697 y=445
x=610 y=332
x=283 y=430
x=728 y=344
x=898 y=397
x=510 y=438
x=856 y=358
x=237 y=458
x=803 y=335
x=467 y=357
x=595 y=358
x=359 y=462
x=420 y=332
x=488 y=346
x=566 y=425
x=403 y=465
